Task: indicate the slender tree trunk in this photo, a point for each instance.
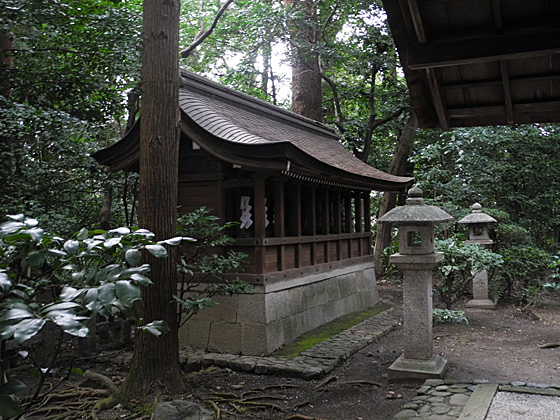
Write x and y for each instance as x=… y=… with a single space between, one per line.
x=155 y=364
x=398 y=167
x=106 y=205
x=6 y=64
x=306 y=76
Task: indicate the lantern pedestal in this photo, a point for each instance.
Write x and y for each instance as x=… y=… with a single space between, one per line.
x=418 y=361
x=404 y=369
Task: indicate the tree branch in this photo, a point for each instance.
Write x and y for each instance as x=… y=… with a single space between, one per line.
x=336 y=99
x=200 y=37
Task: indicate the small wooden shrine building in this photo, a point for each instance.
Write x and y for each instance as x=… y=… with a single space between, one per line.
x=303 y=204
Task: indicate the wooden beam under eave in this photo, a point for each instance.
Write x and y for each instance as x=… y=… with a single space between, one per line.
x=417 y=21
x=437 y=99
x=507 y=91
x=550 y=77
x=455 y=52
x=549 y=107
x=497 y=11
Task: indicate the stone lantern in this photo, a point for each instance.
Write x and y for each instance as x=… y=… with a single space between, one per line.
x=416 y=259
x=478 y=223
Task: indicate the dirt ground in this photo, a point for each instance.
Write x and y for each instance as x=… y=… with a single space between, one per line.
x=502 y=345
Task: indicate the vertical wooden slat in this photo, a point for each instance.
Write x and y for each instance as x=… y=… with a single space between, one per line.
x=337 y=221
x=280 y=222
x=367 y=211
x=313 y=210
x=326 y=217
x=348 y=211
x=367 y=220
x=298 y=221
x=359 y=211
x=259 y=217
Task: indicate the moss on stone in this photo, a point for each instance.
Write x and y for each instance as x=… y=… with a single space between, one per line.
x=326 y=331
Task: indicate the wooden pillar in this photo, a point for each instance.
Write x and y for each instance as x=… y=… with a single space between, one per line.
x=367 y=211
x=259 y=218
x=347 y=212
x=367 y=220
x=296 y=220
x=358 y=217
x=348 y=221
x=337 y=222
x=313 y=210
x=325 y=219
x=280 y=222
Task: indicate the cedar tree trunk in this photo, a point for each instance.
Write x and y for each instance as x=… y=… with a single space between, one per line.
x=306 y=77
x=398 y=167
x=155 y=365
x=6 y=64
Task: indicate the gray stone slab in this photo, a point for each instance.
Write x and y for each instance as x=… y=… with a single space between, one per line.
x=411 y=369
x=543 y=390
x=479 y=402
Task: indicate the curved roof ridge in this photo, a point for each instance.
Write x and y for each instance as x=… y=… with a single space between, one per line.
x=210 y=86
x=213 y=122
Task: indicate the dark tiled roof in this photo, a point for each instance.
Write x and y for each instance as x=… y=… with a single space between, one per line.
x=252 y=133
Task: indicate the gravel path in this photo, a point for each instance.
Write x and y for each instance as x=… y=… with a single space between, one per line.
x=518 y=406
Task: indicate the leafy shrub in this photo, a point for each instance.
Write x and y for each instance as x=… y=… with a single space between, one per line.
x=47 y=279
x=512 y=235
x=206 y=270
x=448 y=316
x=525 y=269
x=460 y=264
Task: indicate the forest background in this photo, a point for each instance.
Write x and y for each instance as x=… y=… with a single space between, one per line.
x=70 y=85
x=70 y=75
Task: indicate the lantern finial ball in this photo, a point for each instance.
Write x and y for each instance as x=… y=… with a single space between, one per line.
x=415 y=192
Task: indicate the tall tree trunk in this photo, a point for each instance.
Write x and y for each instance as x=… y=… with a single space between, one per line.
x=106 y=205
x=398 y=167
x=306 y=76
x=6 y=64
x=155 y=363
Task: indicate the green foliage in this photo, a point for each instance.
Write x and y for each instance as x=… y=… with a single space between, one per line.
x=460 y=264
x=50 y=172
x=206 y=271
x=525 y=269
x=511 y=167
x=73 y=62
x=45 y=278
x=448 y=316
x=76 y=57
x=9 y=406
x=239 y=52
x=92 y=273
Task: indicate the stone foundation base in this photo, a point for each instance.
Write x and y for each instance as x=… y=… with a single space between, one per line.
x=481 y=304
x=275 y=315
x=413 y=369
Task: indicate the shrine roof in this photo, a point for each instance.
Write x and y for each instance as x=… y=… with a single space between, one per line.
x=255 y=134
x=479 y=62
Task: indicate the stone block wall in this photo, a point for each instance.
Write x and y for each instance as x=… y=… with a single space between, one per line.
x=275 y=315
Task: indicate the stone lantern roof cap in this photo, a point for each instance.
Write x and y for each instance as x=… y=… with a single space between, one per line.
x=477 y=216
x=415 y=212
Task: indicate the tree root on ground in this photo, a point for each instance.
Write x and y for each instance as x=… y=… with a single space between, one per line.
x=79 y=402
x=73 y=403
x=248 y=400
x=322 y=386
